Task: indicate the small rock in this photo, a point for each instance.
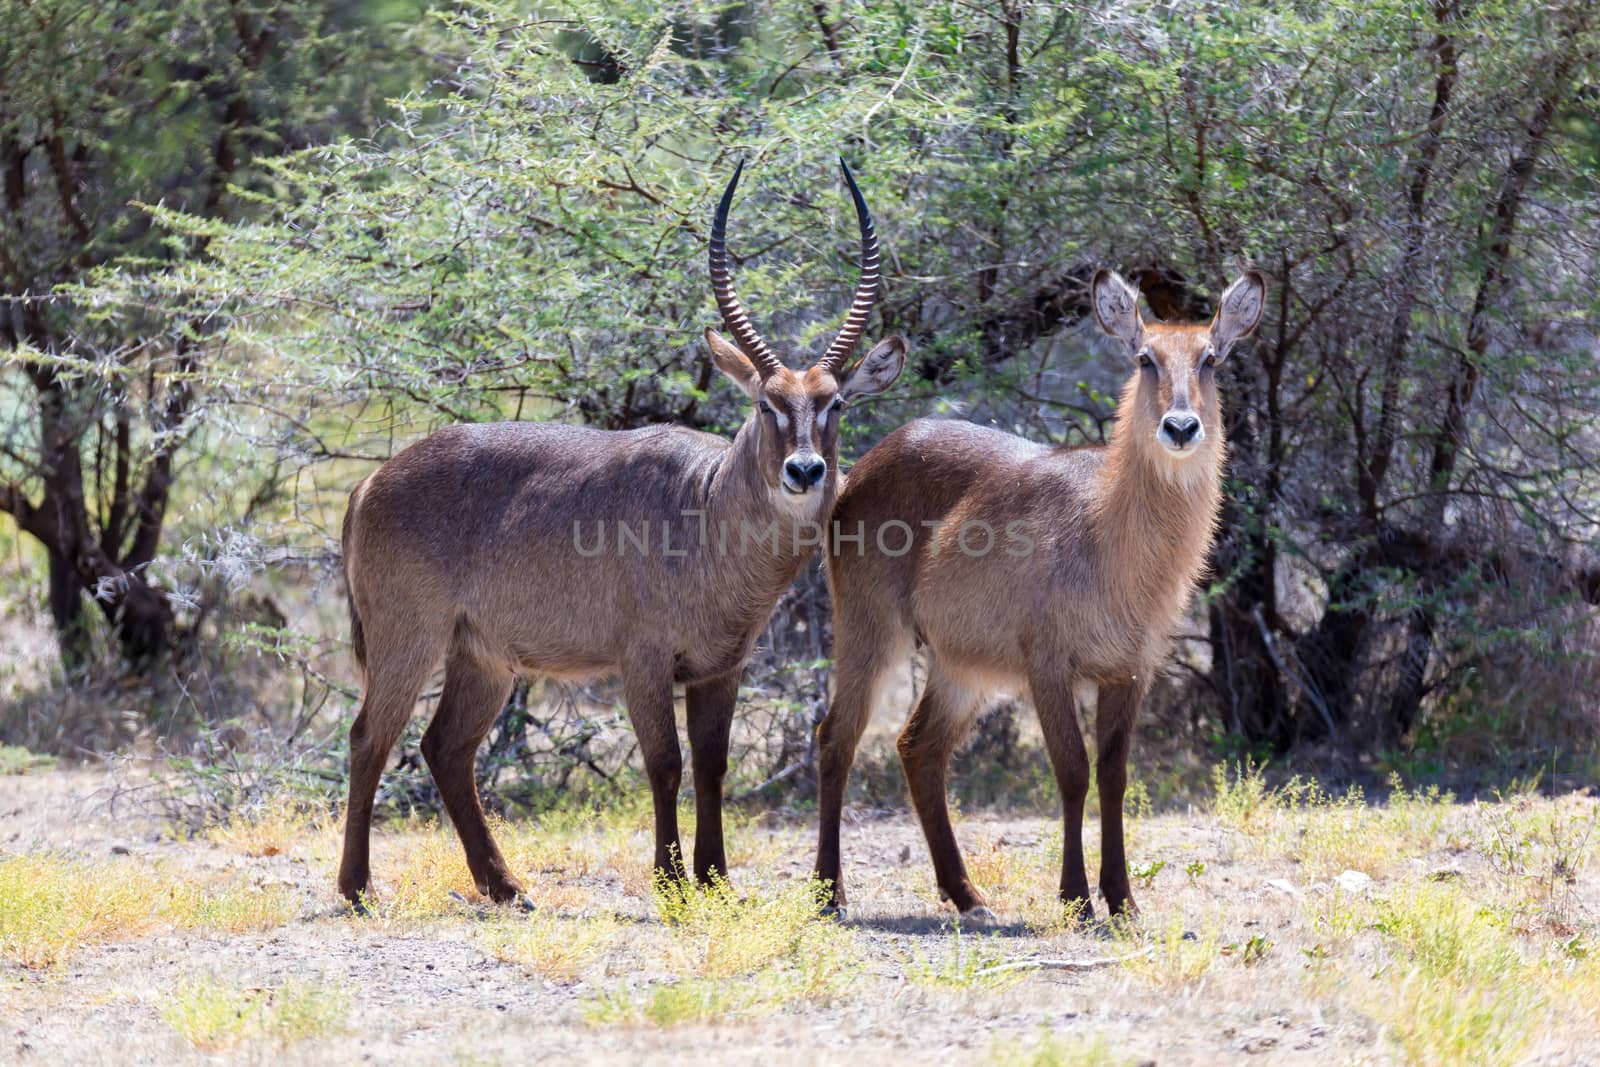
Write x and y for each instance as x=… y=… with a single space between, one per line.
x=1446 y=874
x=905 y=855
x=121 y=850
x=1281 y=885
x=1353 y=882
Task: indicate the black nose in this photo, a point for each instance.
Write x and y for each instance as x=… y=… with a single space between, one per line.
x=806 y=471
x=1180 y=429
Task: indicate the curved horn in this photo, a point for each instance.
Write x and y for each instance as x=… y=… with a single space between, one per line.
x=733 y=313
x=866 y=289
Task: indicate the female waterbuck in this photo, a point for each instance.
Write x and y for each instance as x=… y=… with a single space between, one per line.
x=1056 y=570
x=565 y=552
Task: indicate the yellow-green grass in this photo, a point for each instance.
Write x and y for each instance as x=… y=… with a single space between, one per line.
x=280 y=826
x=14 y=759
x=553 y=946
x=213 y=1015
x=52 y=905
x=561 y=858
x=1049 y=1049
x=969 y=961
x=732 y=957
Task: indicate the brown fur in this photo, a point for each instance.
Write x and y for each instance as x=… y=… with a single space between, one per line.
x=463 y=546
x=477 y=544
x=1119 y=533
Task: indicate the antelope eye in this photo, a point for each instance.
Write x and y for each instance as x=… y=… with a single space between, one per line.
x=1211 y=358
x=1145 y=362
x=763 y=407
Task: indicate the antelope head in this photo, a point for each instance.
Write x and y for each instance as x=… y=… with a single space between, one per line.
x=1172 y=397
x=797 y=412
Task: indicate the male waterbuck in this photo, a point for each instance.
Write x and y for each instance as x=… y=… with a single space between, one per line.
x=564 y=552
x=1060 y=571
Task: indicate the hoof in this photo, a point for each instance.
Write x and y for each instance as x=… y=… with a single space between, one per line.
x=522 y=903
x=361 y=907
x=979 y=918
x=836 y=911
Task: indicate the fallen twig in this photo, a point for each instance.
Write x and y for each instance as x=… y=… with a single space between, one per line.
x=1092 y=964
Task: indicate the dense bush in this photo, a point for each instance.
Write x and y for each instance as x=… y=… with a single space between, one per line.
x=1407 y=553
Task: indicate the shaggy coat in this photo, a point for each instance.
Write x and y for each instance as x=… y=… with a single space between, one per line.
x=1055 y=571
x=656 y=555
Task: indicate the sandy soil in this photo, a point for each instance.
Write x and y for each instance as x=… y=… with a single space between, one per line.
x=426 y=991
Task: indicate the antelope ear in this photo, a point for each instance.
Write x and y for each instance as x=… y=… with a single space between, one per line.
x=1116 y=308
x=734 y=363
x=877 y=370
x=1238 y=311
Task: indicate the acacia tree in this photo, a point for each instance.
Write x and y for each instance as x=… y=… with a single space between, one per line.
x=108 y=108
x=528 y=241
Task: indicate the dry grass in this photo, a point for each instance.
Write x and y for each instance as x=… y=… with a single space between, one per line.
x=280 y=827
x=14 y=759
x=1049 y=1050
x=551 y=946
x=213 y=1015
x=53 y=905
x=1414 y=929
x=733 y=957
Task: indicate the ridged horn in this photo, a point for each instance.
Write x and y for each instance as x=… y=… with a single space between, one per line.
x=866 y=289
x=733 y=313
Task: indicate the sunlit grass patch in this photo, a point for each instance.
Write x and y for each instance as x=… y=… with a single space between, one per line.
x=1054 y=1050
x=1329 y=833
x=713 y=932
x=973 y=962
x=1167 y=955
x=1537 y=849
x=695 y=1000
x=738 y=958
x=1332 y=834
x=995 y=871
x=812 y=974
x=420 y=870
x=14 y=759
x=280 y=826
x=749 y=844
x=52 y=905
x=417 y=869
x=627 y=853
x=580 y=840
x=1458 y=990
x=235 y=908
x=1241 y=797
x=1048 y=917
x=213 y=1015
x=551 y=946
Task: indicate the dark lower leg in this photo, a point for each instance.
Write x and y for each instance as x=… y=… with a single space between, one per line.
x=1058 y=719
x=926 y=744
x=837 y=737
x=473 y=696
x=710 y=708
x=647 y=689
x=1114 y=734
x=372 y=736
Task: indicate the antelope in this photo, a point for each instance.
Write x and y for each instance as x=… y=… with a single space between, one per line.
x=476 y=546
x=1101 y=547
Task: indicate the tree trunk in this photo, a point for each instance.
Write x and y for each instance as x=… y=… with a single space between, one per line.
x=1244 y=671
x=66 y=610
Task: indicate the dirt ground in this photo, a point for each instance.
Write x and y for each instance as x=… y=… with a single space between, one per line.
x=1275 y=927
